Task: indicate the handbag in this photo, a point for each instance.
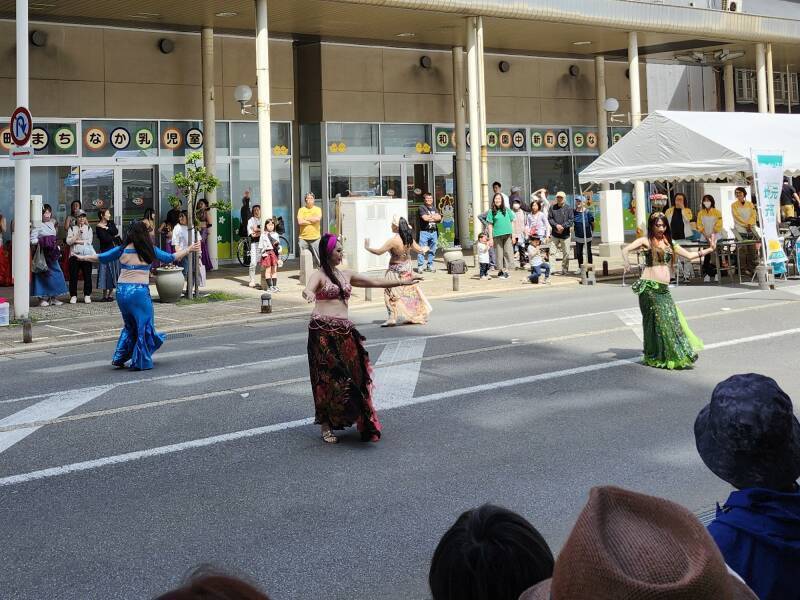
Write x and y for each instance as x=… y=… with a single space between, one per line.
x=39 y=263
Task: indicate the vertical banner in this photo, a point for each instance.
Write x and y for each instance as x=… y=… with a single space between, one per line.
x=768 y=173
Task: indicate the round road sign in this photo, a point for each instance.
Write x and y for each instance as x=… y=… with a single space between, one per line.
x=21 y=126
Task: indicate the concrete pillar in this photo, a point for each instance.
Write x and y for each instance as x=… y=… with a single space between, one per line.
x=729 y=78
x=602 y=116
x=636 y=119
x=209 y=131
x=460 y=117
x=761 y=78
x=770 y=81
x=22 y=181
x=482 y=113
x=474 y=123
x=263 y=111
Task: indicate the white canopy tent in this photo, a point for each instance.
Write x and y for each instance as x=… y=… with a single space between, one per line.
x=673 y=146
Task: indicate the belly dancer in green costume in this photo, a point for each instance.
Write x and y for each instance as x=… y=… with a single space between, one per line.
x=668 y=341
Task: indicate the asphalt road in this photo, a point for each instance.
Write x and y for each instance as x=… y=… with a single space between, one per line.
x=115 y=484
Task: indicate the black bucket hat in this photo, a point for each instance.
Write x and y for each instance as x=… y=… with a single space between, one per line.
x=748 y=434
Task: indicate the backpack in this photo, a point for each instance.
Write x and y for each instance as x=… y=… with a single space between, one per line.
x=280 y=227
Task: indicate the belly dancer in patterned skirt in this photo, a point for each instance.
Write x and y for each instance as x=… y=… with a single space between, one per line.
x=668 y=341
x=338 y=363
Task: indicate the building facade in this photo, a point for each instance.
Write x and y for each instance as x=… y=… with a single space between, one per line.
x=118 y=105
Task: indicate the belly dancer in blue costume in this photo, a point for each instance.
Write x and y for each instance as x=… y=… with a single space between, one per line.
x=139 y=338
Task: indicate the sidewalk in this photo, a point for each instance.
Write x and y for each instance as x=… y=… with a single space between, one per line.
x=72 y=324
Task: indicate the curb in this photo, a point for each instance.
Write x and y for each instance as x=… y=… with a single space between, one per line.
x=286 y=314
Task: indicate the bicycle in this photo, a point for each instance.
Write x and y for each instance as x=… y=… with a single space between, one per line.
x=243 y=250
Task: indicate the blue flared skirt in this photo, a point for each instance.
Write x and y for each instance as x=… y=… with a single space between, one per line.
x=107 y=274
x=139 y=338
x=50 y=283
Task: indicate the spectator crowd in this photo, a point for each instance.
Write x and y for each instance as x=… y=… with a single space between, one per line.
x=626 y=545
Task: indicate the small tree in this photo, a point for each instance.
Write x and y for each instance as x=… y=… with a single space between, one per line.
x=195 y=183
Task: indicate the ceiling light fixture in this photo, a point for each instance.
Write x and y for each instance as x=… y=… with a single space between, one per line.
x=406 y=34
x=41 y=6
x=227 y=14
x=582 y=43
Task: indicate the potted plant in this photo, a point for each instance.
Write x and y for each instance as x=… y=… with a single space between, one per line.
x=193 y=183
x=169 y=283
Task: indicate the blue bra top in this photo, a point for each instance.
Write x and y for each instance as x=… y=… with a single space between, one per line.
x=133 y=267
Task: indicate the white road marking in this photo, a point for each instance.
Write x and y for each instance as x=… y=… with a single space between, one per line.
x=65 y=329
x=633 y=319
x=50 y=408
x=106 y=363
x=237 y=435
x=395 y=386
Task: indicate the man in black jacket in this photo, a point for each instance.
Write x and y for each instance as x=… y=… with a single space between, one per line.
x=562 y=218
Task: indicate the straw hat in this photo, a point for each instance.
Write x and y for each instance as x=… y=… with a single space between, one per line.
x=628 y=546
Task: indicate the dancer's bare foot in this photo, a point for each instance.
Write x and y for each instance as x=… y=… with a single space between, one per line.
x=389 y=323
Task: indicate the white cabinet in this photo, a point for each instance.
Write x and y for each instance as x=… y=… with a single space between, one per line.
x=368 y=217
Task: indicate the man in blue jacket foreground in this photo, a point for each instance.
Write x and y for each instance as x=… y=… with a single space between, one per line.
x=748 y=436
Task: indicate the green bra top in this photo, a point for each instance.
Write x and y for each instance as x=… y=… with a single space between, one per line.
x=653 y=260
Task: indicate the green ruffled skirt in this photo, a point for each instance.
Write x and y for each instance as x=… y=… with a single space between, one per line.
x=668 y=341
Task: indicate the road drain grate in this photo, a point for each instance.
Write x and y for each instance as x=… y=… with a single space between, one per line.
x=178 y=336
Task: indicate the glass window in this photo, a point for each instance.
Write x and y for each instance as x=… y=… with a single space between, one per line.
x=97 y=191
x=7 y=198
x=59 y=187
x=121 y=139
x=354 y=179
x=554 y=173
x=244 y=139
x=405 y=139
x=282 y=195
x=223 y=140
x=244 y=176
x=350 y=179
x=224 y=232
x=444 y=182
x=137 y=194
x=310 y=141
x=391 y=179
x=588 y=190
x=167 y=188
x=510 y=171
x=178 y=138
x=352 y=138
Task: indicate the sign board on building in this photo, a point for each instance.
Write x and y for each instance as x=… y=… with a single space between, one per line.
x=549 y=139
x=584 y=140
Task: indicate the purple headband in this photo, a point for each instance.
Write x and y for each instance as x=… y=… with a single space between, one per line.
x=332 y=239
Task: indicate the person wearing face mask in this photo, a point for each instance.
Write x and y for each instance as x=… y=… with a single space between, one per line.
x=49 y=284
x=709 y=224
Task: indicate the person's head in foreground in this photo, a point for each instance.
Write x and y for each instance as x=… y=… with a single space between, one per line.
x=490 y=553
x=628 y=546
x=749 y=436
x=205 y=584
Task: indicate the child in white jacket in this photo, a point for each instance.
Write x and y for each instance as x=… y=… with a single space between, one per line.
x=269 y=248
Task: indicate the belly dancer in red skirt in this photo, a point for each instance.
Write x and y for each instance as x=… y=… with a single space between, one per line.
x=341 y=374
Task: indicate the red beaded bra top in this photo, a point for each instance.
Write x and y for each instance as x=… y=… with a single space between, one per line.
x=330 y=292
